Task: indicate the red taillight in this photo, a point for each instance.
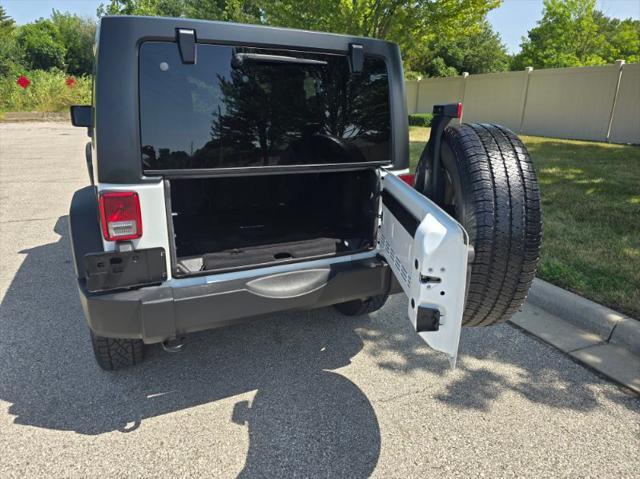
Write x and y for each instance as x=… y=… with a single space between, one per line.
x=120 y=215
x=408 y=179
x=459 y=114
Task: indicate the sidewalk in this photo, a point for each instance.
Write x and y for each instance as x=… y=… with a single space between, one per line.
x=590 y=333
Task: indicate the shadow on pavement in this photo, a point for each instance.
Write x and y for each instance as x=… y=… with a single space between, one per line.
x=304 y=417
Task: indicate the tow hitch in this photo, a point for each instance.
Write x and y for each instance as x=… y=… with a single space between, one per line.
x=173 y=345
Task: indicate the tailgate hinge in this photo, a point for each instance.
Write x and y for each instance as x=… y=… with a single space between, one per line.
x=187 y=44
x=356 y=57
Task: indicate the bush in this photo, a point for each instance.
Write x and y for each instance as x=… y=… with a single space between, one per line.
x=41 y=45
x=77 y=35
x=48 y=91
x=420 y=119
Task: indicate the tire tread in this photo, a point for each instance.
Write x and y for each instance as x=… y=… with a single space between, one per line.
x=502 y=218
x=117 y=353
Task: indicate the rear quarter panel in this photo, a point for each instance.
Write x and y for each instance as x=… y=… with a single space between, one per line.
x=155 y=233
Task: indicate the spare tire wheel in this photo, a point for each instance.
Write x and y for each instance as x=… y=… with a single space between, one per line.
x=490 y=187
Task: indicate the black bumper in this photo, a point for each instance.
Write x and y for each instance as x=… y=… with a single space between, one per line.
x=156 y=313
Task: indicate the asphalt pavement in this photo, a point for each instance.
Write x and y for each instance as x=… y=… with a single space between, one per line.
x=302 y=394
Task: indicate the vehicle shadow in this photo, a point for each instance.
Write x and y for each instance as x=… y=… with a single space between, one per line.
x=304 y=418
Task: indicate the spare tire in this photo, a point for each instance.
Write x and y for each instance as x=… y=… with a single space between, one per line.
x=490 y=187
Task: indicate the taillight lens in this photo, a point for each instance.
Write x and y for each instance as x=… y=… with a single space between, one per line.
x=120 y=215
x=408 y=179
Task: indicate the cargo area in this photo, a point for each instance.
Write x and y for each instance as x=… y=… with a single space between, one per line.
x=230 y=223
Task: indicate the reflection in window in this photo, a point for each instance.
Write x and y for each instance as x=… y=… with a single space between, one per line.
x=222 y=113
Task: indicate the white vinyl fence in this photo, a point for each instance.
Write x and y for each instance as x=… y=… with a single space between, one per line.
x=586 y=103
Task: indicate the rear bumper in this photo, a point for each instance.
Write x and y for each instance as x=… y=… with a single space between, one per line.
x=156 y=313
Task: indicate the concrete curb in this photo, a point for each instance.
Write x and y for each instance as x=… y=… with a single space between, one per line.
x=611 y=326
x=13 y=116
x=592 y=334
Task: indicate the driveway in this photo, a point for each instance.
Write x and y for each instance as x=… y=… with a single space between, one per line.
x=307 y=394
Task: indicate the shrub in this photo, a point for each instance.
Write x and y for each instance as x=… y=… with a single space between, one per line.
x=41 y=45
x=77 y=35
x=48 y=91
x=420 y=119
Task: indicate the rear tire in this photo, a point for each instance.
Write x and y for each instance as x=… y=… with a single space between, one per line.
x=115 y=353
x=492 y=190
x=358 y=307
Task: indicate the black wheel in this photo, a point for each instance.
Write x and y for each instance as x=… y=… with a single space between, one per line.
x=490 y=187
x=113 y=353
x=358 y=307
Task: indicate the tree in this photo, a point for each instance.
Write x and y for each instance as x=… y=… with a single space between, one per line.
x=243 y=11
x=7 y=24
x=159 y=8
x=77 y=35
x=480 y=52
x=567 y=35
x=574 y=33
x=7 y=43
x=413 y=25
x=41 y=45
x=624 y=43
x=622 y=38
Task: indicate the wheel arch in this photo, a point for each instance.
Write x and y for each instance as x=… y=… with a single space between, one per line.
x=84 y=229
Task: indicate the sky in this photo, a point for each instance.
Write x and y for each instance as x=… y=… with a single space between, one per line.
x=512 y=19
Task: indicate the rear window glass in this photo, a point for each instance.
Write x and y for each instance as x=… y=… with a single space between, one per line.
x=241 y=107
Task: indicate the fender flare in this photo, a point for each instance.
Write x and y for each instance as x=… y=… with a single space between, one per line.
x=84 y=228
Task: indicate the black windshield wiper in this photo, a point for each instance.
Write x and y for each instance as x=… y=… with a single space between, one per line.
x=240 y=58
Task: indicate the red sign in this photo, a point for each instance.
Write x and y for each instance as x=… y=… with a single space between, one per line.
x=23 y=82
x=70 y=82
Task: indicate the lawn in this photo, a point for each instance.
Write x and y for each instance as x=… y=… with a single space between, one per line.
x=591 y=216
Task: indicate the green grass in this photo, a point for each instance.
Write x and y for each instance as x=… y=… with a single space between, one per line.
x=591 y=216
x=418 y=137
